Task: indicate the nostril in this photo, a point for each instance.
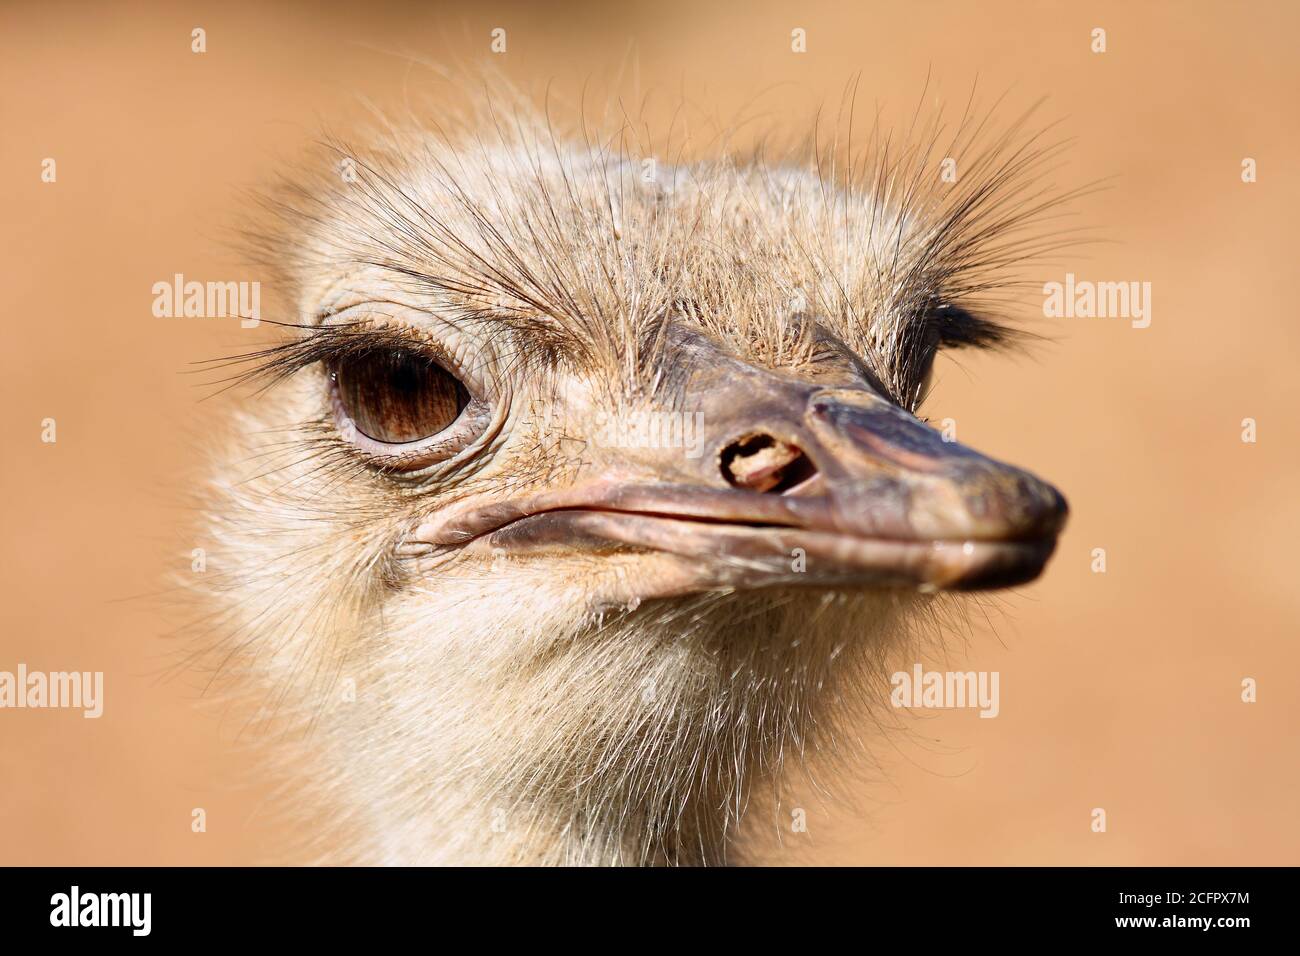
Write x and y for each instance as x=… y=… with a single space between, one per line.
x=766 y=464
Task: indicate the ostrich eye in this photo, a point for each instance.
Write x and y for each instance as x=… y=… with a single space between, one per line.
x=396 y=396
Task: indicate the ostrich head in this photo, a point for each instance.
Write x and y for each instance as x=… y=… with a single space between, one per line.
x=590 y=488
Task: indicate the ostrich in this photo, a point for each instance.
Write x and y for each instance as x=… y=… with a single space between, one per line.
x=584 y=493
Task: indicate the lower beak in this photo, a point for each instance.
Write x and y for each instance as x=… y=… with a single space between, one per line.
x=849 y=491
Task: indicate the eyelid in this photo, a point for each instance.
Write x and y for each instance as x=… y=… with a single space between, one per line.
x=375 y=318
x=452 y=442
x=383 y=325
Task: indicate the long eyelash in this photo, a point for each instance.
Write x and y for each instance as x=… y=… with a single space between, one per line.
x=955 y=327
x=945 y=325
x=316 y=343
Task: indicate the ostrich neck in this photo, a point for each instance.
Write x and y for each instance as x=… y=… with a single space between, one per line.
x=635 y=744
x=467 y=823
x=616 y=814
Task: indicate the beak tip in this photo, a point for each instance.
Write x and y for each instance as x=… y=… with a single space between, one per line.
x=1062 y=510
x=1057 y=511
x=1014 y=564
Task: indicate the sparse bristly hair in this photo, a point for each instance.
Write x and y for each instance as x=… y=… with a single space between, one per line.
x=466 y=306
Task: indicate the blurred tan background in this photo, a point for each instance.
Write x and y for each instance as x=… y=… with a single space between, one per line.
x=1119 y=690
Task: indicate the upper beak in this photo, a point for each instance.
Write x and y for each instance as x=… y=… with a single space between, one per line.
x=788 y=482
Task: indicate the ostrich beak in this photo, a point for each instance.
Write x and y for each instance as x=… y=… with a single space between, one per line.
x=787 y=483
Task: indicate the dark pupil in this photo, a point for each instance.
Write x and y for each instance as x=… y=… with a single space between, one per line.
x=395 y=396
